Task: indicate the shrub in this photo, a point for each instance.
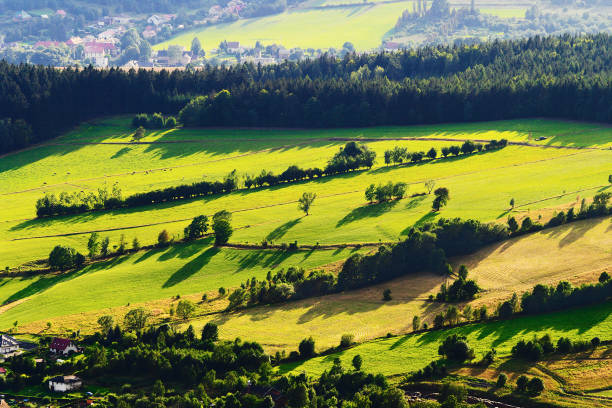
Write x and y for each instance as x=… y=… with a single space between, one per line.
x=501 y=380
x=62 y=258
x=347 y=340
x=163 y=238
x=357 y=362
x=521 y=383
x=387 y=295
x=307 y=348
x=185 y=309
x=535 y=386
x=456 y=348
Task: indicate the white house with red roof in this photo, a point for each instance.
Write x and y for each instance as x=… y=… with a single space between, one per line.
x=63 y=346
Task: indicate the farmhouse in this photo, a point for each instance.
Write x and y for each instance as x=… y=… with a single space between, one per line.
x=63 y=346
x=65 y=383
x=8 y=345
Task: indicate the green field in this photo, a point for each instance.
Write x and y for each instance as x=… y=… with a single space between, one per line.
x=481 y=185
x=538 y=177
x=364 y=26
x=145 y=276
x=397 y=355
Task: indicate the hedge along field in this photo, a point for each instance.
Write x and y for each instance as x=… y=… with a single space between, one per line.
x=481 y=187
x=144 y=276
x=364 y=26
x=476 y=190
x=500 y=269
x=397 y=355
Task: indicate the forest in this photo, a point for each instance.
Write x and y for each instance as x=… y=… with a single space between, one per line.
x=559 y=76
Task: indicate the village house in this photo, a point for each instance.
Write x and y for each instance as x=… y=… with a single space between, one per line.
x=8 y=345
x=60 y=13
x=233 y=47
x=63 y=346
x=65 y=383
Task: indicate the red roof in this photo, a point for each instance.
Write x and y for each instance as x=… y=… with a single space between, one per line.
x=2 y=370
x=60 y=344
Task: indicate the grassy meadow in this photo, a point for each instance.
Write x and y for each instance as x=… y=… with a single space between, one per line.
x=401 y=354
x=540 y=179
x=481 y=185
x=364 y=26
x=501 y=269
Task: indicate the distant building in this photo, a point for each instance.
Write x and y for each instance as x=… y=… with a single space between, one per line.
x=63 y=346
x=233 y=47
x=22 y=15
x=60 y=13
x=47 y=44
x=8 y=345
x=65 y=383
x=284 y=54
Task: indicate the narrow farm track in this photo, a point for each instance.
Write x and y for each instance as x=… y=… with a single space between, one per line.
x=326 y=196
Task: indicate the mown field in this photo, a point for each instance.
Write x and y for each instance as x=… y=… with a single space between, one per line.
x=481 y=185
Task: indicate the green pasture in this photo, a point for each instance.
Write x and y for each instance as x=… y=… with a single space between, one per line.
x=408 y=353
x=145 y=276
x=481 y=185
x=364 y=26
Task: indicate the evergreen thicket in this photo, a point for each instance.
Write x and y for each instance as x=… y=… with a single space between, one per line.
x=562 y=77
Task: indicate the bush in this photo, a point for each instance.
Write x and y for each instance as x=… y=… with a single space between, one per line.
x=456 y=348
x=347 y=340
x=307 y=348
x=163 y=238
x=63 y=258
x=521 y=383
x=501 y=380
x=387 y=295
x=535 y=386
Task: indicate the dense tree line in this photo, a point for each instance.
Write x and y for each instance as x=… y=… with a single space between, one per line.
x=398 y=155
x=425 y=248
x=537 y=348
x=350 y=157
x=76 y=203
x=563 y=77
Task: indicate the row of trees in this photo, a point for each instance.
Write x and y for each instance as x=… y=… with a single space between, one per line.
x=599 y=207
x=398 y=155
x=350 y=157
x=221 y=226
x=564 y=77
x=154 y=121
x=534 y=350
x=76 y=203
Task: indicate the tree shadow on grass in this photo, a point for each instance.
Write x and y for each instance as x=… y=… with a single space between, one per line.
x=191 y=267
x=45 y=282
x=280 y=231
x=368 y=211
x=580 y=320
x=573 y=231
x=121 y=152
x=185 y=250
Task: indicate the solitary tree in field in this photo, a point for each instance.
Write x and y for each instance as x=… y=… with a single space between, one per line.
x=138 y=134
x=305 y=202
x=512 y=203
x=136 y=319
x=185 y=309
x=416 y=323
x=442 y=197
x=429 y=185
